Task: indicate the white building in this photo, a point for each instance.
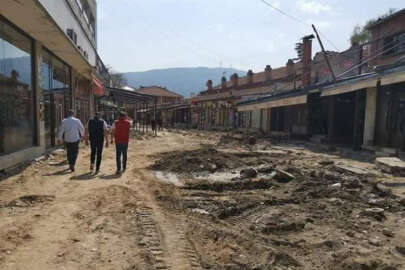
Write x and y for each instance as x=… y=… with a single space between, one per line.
x=48 y=64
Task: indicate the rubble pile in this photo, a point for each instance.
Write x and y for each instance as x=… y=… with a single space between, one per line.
x=316 y=211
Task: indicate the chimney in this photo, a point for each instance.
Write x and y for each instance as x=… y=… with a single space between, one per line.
x=250 y=76
x=267 y=73
x=223 y=82
x=209 y=85
x=235 y=79
x=306 y=60
x=290 y=69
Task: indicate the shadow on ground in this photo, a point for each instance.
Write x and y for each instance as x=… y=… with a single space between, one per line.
x=84 y=177
x=61 y=172
x=111 y=177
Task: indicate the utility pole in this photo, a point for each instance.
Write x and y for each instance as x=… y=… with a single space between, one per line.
x=324 y=53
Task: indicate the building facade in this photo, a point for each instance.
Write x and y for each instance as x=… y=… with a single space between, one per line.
x=48 y=65
x=361 y=104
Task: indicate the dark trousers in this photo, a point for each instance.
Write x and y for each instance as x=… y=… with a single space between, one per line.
x=72 y=150
x=121 y=150
x=96 y=150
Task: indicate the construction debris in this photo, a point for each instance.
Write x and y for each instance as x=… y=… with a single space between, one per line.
x=391 y=165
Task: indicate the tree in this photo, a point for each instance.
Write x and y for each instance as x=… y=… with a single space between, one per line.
x=118 y=80
x=361 y=34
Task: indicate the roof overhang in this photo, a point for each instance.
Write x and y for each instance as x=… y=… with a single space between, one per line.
x=129 y=97
x=33 y=19
x=347 y=87
x=393 y=78
x=280 y=102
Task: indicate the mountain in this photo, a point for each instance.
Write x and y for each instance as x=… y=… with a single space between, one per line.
x=180 y=80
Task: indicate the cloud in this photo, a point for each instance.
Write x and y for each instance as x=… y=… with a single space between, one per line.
x=313 y=7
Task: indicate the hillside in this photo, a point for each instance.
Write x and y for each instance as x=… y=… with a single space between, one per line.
x=181 y=80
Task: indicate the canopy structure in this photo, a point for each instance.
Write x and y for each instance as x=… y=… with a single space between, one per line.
x=143 y=106
x=128 y=96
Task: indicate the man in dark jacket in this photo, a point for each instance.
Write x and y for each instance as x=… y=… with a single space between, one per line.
x=97 y=131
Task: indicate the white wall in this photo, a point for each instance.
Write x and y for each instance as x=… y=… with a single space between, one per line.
x=65 y=19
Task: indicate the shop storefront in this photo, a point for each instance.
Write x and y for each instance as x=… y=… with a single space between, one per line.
x=83 y=99
x=55 y=84
x=17 y=99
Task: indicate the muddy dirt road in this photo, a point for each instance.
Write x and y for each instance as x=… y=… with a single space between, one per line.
x=223 y=206
x=52 y=219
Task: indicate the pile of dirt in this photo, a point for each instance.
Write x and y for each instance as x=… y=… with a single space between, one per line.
x=207 y=159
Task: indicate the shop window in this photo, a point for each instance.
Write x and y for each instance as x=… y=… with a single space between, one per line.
x=55 y=83
x=17 y=125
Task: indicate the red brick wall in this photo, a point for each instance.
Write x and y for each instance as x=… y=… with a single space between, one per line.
x=386 y=29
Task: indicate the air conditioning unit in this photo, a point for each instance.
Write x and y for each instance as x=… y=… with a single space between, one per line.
x=72 y=35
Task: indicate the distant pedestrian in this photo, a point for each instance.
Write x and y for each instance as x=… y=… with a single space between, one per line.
x=160 y=123
x=120 y=133
x=153 y=123
x=97 y=131
x=71 y=132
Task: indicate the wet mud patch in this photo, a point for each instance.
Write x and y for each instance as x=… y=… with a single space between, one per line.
x=200 y=160
x=230 y=186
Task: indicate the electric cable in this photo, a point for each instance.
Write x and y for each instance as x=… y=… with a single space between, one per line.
x=370 y=58
x=300 y=21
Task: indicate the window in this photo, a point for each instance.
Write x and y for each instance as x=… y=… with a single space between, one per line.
x=394 y=44
x=17 y=125
x=55 y=82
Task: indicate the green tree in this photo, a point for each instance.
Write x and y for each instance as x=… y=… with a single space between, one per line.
x=361 y=34
x=118 y=80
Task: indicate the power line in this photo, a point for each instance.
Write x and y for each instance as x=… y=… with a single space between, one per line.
x=370 y=58
x=284 y=13
x=298 y=20
x=195 y=46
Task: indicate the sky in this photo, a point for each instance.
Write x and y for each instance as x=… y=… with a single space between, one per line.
x=140 y=35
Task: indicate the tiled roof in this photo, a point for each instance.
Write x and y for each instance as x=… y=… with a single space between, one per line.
x=158 y=91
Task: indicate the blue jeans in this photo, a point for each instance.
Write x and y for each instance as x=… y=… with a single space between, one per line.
x=121 y=150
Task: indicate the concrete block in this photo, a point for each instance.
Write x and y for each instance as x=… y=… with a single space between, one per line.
x=391 y=165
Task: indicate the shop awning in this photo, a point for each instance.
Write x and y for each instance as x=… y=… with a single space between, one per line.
x=349 y=86
x=98 y=88
x=281 y=102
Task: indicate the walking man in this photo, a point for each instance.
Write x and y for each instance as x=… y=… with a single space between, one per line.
x=71 y=132
x=97 y=131
x=120 y=133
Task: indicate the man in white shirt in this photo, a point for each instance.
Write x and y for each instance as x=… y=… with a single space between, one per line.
x=71 y=132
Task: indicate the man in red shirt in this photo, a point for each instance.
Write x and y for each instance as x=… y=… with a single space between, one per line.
x=120 y=133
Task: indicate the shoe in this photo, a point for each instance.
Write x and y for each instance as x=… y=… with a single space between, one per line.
x=72 y=168
x=97 y=171
x=91 y=167
x=118 y=172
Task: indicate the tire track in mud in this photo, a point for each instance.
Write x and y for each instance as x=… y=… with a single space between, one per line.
x=246 y=218
x=188 y=249
x=149 y=239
